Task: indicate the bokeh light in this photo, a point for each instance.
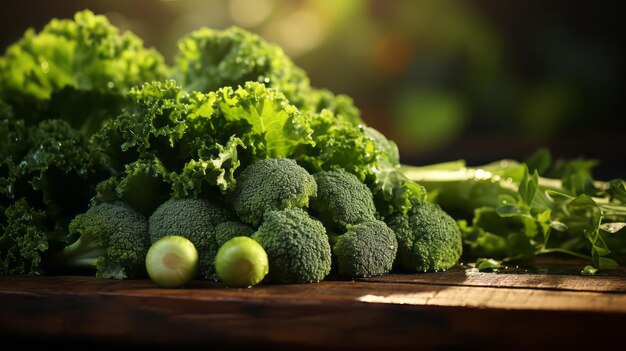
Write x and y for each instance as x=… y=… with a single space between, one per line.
x=478 y=80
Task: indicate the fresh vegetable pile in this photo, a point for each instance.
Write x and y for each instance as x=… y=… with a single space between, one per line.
x=512 y=211
x=112 y=161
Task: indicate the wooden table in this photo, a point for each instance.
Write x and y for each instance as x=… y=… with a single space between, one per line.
x=544 y=304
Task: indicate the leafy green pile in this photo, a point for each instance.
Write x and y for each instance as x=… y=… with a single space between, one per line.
x=97 y=132
x=90 y=116
x=513 y=211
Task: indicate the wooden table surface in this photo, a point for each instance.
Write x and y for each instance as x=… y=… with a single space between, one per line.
x=544 y=304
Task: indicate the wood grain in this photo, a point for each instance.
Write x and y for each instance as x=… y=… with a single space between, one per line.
x=518 y=308
x=473 y=278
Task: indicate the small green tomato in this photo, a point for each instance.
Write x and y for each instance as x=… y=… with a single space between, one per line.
x=172 y=261
x=241 y=262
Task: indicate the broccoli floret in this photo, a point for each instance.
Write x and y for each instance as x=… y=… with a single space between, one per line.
x=296 y=245
x=113 y=240
x=365 y=250
x=271 y=184
x=342 y=199
x=228 y=230
x=428 y=238
x=194 y=219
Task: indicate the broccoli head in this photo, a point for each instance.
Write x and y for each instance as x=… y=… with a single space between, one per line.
x=194 y=219
x=428 y=238
x=365 y=250
x=271 y=184
x=297 y=246
x=230 y=229
x=342 y=200
x=113 y=239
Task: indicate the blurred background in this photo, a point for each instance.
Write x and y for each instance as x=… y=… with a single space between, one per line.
x=479 y=80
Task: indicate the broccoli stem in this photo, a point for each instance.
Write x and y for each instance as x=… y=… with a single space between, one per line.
x=79 y=256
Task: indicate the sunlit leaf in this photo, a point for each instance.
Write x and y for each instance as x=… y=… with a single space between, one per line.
x=613 y=227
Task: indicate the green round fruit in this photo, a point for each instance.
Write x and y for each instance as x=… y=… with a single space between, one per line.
x=241 y=262
x=172 y=261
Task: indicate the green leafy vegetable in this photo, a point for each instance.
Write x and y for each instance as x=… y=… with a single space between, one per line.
x=75 y=69
x=515 y=214
x=87 y=108
x=209 y=60
x=24 y=239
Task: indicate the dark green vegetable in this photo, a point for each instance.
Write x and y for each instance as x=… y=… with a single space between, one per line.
x=210 y=59
x=23 y=241
x=38 y=165
x=428 y=238
x=271 y=184
x=144 y=185
x=342 y=200
x=367 y=249
x=201 y=139
x=112 y=240
x=296 y=245
x=510 y=210
x=230 y=229
x=194 y=219
x=85 y=108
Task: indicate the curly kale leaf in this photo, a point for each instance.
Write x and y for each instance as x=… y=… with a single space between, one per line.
x=202 y=139
x=212 y=170
x=76 y=69
x=210 y=59
x=54 y=157
x=364 y=152
x=23 y=240
x=266 y=119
